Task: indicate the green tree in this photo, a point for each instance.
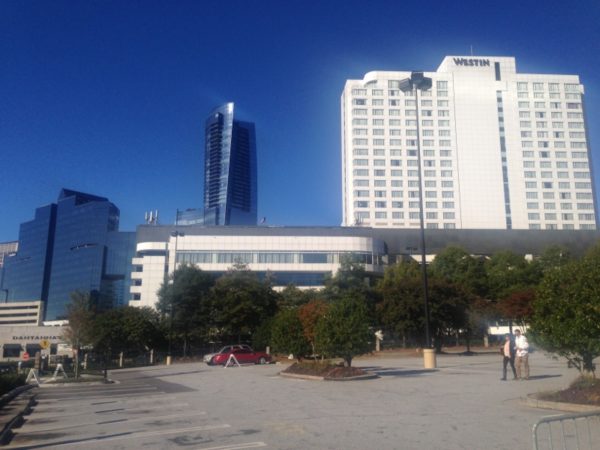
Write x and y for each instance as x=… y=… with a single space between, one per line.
x=351 y=276
x=292 y=297
x=344 y=329
x=448 y=310
x=126 y=329
x=80 y=314
x=566 y=311
x=553 y=257
x=242 y=302
x=185 y=299
x=287 y=334
x=458 y=267
x=401 y=307
x=508 y=272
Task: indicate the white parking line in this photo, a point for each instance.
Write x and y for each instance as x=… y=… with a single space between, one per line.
x=143 y=434
x=40 y=413
x=235 y=446
x=28 y=428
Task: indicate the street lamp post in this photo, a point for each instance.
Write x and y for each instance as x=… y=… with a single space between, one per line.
x=419 y=82
x=176 y=233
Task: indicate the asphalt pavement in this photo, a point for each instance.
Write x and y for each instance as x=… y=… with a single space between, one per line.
x=462 y=404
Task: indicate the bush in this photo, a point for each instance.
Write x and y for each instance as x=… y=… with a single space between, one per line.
x=10 y=381
x=344 y=330
x=287 y=334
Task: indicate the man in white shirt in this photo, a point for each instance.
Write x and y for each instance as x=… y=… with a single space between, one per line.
x=522 y=355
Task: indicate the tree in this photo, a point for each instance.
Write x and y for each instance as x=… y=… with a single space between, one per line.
x=566 y=311
x=401 y=308
x=287 y=334
x=309 y=315
x=185 y=299
x=124 y=329
x=448 y=309
x=457 y=266
x=292 y=297
x=242 y=302
x=351 y=276
x=508 y=272
x=344 y=329
x=80 y=314
x=518 y=306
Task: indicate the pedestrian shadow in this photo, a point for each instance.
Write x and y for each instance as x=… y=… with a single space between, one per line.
x=541 y=377
x=396 y=372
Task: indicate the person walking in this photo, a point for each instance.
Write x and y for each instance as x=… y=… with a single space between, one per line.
x=522 y=347
x=508 y=353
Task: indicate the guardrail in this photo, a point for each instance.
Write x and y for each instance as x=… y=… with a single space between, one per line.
x=568 y=431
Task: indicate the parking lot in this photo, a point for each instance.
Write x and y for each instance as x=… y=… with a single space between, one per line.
x=461 y=405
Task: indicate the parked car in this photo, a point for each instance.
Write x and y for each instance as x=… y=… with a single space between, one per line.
x=243 y=356
x=208 y=357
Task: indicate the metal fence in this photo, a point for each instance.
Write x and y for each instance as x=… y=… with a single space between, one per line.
x=579 y=431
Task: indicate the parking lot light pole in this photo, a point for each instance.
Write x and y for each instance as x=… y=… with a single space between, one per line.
x=176 y=233
x=419 y=82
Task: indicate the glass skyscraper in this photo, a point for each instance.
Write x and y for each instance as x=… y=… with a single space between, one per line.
x=73 y=245
x=229 y=169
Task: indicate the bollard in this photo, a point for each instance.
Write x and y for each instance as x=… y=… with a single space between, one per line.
x=268 y=351
x=121 y=360
x=429 y=358
x=151 y=356
x=169 y=360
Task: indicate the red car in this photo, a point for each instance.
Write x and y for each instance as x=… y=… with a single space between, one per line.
x=243 y=356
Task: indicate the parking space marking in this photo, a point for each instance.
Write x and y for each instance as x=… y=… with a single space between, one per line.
x=117 y=437
x=235 y=446
x=29 y=428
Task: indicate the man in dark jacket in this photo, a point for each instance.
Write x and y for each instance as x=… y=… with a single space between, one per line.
x=508 y=351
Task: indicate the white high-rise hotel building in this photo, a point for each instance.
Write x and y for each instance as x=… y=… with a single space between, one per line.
x=499 y=149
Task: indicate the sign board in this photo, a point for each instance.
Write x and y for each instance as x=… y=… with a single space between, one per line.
x=25 y=356
x=45 y=344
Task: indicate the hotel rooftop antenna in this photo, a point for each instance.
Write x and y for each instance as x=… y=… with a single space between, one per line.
x=151 y=218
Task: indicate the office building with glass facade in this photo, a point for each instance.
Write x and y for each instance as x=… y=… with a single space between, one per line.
x=499 y=149
x=73 y=245
x=230 y=195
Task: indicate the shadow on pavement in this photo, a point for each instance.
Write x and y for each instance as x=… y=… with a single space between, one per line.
x=396 y=372
x=541 y=377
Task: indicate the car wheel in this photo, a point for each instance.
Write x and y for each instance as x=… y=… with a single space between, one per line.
x=262 y=360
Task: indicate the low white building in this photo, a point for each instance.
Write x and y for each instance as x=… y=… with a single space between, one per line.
x=291 y=255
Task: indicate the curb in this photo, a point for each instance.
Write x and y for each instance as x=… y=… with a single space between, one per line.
x=21 y=410
x=532 y=401
x=300 y=376
x=317 y=378
x=6 y=398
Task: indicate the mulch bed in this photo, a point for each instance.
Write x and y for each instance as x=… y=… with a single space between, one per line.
x=327 y=370
x=583 y=391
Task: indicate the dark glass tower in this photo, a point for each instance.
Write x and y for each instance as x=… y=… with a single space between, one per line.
x=73 y=245
x=229 y=169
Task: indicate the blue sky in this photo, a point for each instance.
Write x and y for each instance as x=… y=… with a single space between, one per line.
x=110 y=97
